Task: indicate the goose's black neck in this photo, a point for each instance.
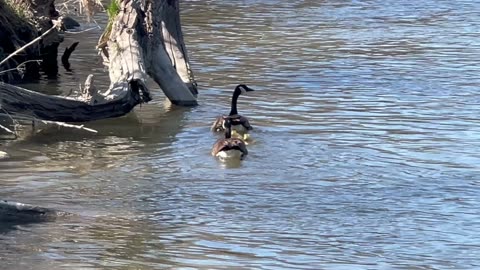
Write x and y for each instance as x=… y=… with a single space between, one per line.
x=236 y=94
x=228 y=128
x=228 y=132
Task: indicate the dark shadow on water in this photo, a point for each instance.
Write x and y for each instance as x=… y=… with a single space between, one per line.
x=6 y=227
x=9 y=226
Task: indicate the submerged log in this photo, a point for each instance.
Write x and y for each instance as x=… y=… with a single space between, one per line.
x=19 y=212
x=134 y=48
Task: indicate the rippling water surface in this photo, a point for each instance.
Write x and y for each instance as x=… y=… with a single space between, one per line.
x=365 y=153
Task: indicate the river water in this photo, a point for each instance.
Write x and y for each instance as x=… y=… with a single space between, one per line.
x=365 y=153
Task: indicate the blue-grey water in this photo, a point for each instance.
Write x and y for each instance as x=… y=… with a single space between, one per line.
x=365 y=153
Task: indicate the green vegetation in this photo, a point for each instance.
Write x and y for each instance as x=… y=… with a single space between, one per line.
x=112 y=10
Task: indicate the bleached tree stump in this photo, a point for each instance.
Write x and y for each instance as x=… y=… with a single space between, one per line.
x=146 y=38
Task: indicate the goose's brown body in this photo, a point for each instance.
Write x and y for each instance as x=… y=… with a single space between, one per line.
x=239 y=123
x=229 y=147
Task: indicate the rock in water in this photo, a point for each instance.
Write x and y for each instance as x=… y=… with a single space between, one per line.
x=70 y=23
x=4 y=155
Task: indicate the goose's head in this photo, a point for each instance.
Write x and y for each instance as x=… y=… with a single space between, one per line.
x=243 y=89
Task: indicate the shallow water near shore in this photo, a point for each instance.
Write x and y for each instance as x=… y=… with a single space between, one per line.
x=365 y=152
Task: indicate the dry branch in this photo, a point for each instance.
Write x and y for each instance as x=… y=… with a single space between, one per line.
x=21 y=67
x=17 y=100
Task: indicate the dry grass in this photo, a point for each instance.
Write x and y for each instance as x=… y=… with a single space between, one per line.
x=14 y=24
x=21 y=9
x=90 y=7
x=85 y=7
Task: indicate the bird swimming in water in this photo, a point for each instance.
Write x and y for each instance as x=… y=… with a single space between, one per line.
x=239 y=123
x=244 y=136
x=228 y=147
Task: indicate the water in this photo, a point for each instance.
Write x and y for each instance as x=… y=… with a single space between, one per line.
x=365 y=154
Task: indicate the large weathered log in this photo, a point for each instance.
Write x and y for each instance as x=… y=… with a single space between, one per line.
x=19 y=212
x=16 y=100
x=139 y=42
x=174 y=44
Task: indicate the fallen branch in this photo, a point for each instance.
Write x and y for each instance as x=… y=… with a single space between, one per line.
x=8 y=130
x=21 y=67
x=86 y=30
x=61 y=124
x=17 y=100
x=14 y=122
x=46 y=122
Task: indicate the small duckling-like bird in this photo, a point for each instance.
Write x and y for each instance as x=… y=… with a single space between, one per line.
x=239 y=123
x=228 y=147
x=245 y=136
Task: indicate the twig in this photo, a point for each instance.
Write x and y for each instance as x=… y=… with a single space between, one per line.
x=19 y=67
x=65 y=5
x=68 y=2
x=10 y=116
x=62 y=124
x=55 y=25
x=8 y=130
x=15 y=122
x=86 y=30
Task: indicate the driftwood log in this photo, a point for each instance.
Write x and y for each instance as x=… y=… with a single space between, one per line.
x=145 y=40
x=19 y=212
x=16 y=100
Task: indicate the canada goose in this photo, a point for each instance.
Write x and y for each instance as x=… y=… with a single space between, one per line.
x=228 y=147
x=239 y=123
